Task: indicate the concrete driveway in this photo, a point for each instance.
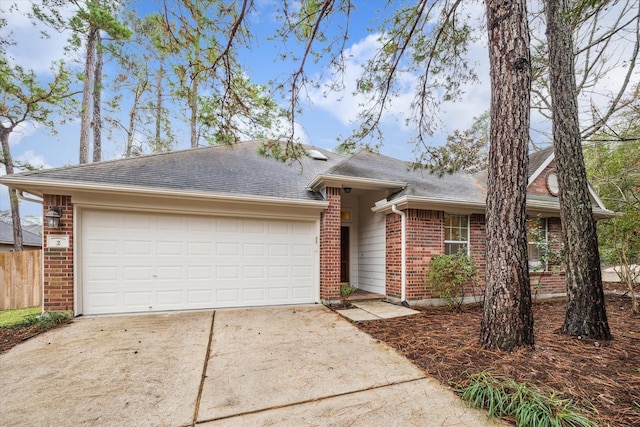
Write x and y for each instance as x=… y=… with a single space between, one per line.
x=294 y=365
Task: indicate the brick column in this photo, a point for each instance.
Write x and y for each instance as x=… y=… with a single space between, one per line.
x=330 y=247
x=58 y=263
x=393 y=255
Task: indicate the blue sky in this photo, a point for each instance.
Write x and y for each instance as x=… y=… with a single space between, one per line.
x=324 y=118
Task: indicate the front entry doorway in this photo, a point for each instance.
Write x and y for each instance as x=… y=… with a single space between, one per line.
x=344 y=254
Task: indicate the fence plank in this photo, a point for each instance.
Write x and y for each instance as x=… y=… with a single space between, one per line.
x=20 y=279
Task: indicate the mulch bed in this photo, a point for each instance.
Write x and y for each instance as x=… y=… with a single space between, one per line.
x=604 y=376
x=11 y=337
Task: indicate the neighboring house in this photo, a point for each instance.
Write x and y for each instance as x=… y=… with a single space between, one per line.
x=30 y=241
x=222 y=226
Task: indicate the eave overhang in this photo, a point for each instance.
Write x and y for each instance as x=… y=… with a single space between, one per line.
x=426 y=203
x=342 y=181
x=40 y=187
x=534 y=206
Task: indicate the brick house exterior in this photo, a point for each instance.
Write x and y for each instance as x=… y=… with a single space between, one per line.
x=295 y=232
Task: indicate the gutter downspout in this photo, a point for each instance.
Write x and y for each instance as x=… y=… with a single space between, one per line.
x=403 y=246
x=21 y=196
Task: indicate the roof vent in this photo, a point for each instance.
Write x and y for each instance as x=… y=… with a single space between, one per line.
x=316 y=155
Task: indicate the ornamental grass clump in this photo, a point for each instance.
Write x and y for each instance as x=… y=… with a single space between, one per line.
x=522 y=402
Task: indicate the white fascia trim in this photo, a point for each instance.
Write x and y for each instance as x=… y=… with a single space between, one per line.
x=542 y=167
x=597 y=199
x=66 y=187
x=409 y=202
x=327 y=180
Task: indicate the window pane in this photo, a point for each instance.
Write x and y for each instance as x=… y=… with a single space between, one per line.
x=537 y=229
x=464 y=234
x=452 y=248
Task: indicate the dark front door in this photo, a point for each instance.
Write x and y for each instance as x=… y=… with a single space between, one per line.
x=344 y=254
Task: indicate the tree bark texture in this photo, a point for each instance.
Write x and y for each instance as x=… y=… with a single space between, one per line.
x=97 y=103
x=87 y=91
x=507 y=321
x=159 y=109
x=13 y=194
x=193 y=107
x=586 y=313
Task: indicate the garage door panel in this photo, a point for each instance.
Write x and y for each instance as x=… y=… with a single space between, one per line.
x=146 y=262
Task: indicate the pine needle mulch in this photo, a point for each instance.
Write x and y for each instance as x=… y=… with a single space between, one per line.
x=603 y=377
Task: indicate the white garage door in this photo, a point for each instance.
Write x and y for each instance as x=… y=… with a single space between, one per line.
x=137 y=262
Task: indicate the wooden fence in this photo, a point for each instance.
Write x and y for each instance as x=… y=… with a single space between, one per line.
x=20 y=279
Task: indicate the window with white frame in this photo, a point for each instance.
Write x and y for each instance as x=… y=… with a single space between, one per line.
x=537 y=243
x=456 y=233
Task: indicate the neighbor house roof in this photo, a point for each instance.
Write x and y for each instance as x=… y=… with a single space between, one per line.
x=28 y=238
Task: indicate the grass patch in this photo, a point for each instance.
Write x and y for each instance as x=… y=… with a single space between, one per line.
x=31 y=316
x=13 y=318
x=525 y=403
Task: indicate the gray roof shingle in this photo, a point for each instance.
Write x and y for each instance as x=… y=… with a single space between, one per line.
x=241 y=170
x=236 y=169
x=420 y=183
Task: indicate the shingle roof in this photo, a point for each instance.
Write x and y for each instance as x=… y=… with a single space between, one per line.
x=236 y=169
x=538 y=158
x=28 y=238
x=240 y=170
x=420 y=183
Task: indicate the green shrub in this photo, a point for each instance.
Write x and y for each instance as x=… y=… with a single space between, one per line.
x=448 y=275
x=346 y=290
x=524 y=402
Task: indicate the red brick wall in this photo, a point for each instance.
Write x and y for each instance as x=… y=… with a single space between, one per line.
x=330 y=247
x=478 y=242
x=425 y=238
x=58 y=263
x=539 y=186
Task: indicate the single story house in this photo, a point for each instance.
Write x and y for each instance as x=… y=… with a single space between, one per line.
x=30 y=240
x=223 y=226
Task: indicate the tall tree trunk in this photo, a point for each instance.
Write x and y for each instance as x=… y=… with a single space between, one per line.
x=507 y=321
x=87 y=90
x=97 y=105
x=133 y=116
x=13 y=194
x=586 y=313
x=193 y=105
x=159 y=108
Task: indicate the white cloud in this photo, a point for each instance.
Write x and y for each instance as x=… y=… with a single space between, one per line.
x=32 y=51
x=33 y=159
x=345 y=104
x=22 y=131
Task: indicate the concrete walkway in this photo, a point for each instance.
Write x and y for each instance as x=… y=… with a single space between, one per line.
x=286 y=366
x=374 y=310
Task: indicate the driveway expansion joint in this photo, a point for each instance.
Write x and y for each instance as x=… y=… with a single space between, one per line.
x=315 y=399
x=204 y=371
